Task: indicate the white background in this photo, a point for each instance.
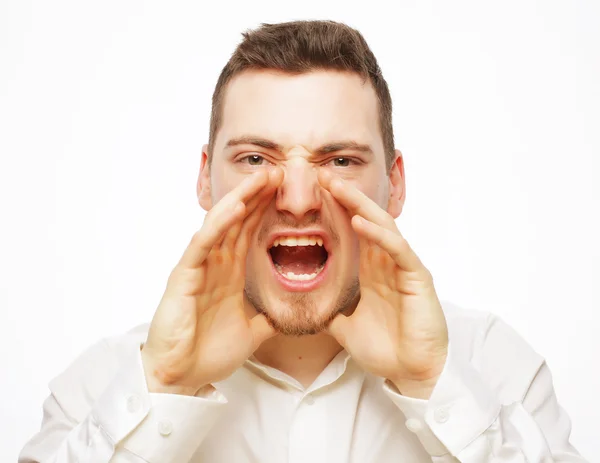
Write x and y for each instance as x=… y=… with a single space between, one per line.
x=104 y=108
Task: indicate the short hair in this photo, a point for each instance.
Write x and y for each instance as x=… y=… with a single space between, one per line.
x=298 y=47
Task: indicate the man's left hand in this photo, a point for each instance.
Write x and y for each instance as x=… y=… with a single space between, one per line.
x=398 y=330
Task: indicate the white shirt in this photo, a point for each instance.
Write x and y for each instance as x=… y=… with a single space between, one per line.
x=494 y=402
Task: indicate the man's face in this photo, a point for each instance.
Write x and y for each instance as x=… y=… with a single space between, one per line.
x=302 y=268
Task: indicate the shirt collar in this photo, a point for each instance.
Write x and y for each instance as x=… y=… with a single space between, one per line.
x=332 y=372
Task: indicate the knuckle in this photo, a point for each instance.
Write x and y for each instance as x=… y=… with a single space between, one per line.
x=427 y=276
x=211 y=216
x=197 y=237
x=391 y=223
x=175 y=277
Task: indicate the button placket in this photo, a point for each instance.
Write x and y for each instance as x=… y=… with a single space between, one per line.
x=305 y=437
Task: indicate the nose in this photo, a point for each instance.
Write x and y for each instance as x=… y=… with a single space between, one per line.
x=299 y=194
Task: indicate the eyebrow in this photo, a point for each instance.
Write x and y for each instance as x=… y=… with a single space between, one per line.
x=322 y=150
x=344 y=145
x=256 y=141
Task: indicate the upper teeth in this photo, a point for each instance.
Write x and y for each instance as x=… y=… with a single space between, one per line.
x=298 y=241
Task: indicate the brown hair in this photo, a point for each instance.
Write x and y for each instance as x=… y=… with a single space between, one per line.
x=303 y=46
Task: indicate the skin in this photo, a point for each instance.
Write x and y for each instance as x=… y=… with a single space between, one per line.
x=259 y=104
x=376 y=287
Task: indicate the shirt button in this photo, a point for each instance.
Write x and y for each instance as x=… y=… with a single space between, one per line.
x=441 y=415
x=309 y=400
x=134 y=403
x=165 y=427
x=414 y=425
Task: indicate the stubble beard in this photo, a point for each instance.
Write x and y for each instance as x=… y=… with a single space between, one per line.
x=299 y=314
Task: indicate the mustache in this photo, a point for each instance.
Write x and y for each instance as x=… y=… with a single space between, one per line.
x=279 y=220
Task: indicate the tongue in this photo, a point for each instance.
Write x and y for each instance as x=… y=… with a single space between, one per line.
x=299 y=259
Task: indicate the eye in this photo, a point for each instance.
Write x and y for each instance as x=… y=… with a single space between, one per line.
x=342 y=162
x=253 y=160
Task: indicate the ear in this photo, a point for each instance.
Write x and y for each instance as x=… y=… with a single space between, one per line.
x=397 y=186
x=203 y=185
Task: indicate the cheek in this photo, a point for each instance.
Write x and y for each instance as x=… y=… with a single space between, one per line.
x=257 y=264
x=376 y=191
x=222 y=182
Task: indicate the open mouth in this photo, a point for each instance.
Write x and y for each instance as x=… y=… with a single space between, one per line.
x=299 y=258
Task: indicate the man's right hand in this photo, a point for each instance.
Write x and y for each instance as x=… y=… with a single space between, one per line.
x=200 y=333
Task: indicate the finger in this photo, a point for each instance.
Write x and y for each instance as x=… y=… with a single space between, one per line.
x=274 y=179
x=261 y=330
x=375 y=264
x=253 y=219
x=355 y=200
x=204 y=239
x=249 y=227
x=367 y=268
x=390 y=241
x=338 y=327
x=230 y=236
x=248 y=187
x=220 y=218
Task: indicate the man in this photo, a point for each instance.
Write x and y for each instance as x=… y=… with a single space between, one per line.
x=299 y=325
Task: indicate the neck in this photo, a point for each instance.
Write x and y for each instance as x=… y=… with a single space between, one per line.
x=301 y=357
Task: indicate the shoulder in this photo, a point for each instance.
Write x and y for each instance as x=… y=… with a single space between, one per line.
x=88 y=375
x=500 y=354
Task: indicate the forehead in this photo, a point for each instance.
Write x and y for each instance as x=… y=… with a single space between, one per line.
x=308 y=109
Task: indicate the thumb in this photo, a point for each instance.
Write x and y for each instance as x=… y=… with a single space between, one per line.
x=338 y=328
x=261 y=330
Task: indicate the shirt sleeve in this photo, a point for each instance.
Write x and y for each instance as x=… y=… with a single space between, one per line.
x=473 y=418
x=126 y=424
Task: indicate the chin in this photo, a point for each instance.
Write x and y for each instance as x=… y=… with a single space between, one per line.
x=302 y=313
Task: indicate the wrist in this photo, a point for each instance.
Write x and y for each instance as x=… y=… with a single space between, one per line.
x=421 y=389
x=422 y=385
x=420 y=382
x=156 y=384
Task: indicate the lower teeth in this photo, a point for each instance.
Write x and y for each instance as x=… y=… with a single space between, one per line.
x=300 y=276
